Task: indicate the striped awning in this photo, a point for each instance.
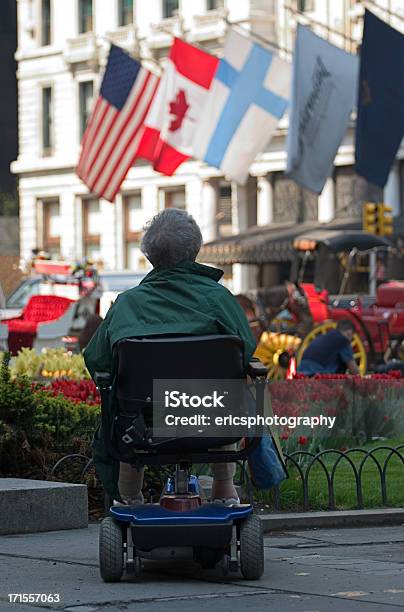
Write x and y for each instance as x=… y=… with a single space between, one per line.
x=266 y=244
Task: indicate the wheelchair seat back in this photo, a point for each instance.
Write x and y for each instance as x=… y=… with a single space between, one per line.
x=143 y=360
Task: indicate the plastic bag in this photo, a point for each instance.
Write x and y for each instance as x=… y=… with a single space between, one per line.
x=265 y=463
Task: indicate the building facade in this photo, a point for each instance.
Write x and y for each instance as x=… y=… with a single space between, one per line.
x=8 y=99
x=62 y=50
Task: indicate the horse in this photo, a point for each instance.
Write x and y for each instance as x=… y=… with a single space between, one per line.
x=262 y=306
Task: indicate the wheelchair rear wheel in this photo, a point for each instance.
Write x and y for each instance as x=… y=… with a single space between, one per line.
x=111 y=550
x=251 y=548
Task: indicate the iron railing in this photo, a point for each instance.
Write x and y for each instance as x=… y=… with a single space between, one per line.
x=311 y=460
x=303 y=463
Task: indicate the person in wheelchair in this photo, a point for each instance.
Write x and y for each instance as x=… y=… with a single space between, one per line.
x=178 y=297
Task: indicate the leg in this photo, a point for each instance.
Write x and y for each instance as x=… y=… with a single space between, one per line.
x=223 y=486
x=223 y=474
x=130 y=483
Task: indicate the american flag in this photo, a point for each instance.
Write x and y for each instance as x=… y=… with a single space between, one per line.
x=115 y=127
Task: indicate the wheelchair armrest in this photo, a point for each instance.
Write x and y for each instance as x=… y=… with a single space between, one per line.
x=103 y=380
x=256 y=369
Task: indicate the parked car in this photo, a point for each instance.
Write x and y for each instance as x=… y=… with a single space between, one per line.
x=115 y=282
x=13 y=305
x=20 y=296
x=57 y=278
x=111 y=284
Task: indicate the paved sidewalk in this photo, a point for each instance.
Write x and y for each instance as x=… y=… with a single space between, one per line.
x=344 y=570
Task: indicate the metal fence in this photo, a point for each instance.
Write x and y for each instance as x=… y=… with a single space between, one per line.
x=303 y=463
x=329 y=469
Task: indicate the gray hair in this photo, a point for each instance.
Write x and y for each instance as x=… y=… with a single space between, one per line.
x=170 y=237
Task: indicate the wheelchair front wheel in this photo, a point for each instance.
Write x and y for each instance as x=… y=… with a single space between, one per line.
x=251 y=548
x=111 y=550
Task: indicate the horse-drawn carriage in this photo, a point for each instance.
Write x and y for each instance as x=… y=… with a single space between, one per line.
x=51 y=307
x=286 y=319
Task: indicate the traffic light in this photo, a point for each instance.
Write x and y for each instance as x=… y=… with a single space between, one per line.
x=370 y=218
x=377 y=219
x=384 y=220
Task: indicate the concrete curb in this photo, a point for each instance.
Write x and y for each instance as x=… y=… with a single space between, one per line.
x=28 y=506
x=340 y=518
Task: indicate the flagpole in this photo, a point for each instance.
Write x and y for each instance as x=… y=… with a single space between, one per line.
x=137 y=56
x=236 y=24
x=183 y=37
x=257 y=36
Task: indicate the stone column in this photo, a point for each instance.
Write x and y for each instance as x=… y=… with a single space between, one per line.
x=194 y=203
x=326 y=202
x=68 y=225
x=208 y=219
x=245 y=277
x=391 y=193
x=29 y=238
x=119 y=233
x=239 y=207
x=107 y=239
x=242 y=280
x=78 y=228
x=265 y=200
x=150 y=201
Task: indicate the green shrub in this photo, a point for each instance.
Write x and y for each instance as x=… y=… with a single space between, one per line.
x=39 y=425
x=36 y=427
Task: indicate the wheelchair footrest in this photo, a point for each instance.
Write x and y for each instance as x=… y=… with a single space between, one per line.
x=154 y=514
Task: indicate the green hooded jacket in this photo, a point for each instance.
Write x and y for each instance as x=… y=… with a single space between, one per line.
x=186 y=299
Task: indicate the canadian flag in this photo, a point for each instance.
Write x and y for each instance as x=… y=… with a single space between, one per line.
x=177 y=105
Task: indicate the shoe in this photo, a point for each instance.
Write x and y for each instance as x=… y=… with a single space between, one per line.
x=231 y=501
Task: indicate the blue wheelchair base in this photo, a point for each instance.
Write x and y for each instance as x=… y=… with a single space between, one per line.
x=206 y=514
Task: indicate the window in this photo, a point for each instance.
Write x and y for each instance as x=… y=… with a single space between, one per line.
x=85 y=104
x=125 y=12
x=21 y=295
x=133 y=225
x=45 y=22
x=213 y=5
x=224 y=210
x=175 y=198
x=51 y=227
x=85 y=16
x=47 y=121
x=169 y=8
x=305 y=5
x=92 y=223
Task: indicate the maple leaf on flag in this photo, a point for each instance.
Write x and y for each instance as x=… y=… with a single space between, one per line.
x=178 y=108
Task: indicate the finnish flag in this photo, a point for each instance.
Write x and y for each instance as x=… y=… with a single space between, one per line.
x=248 y=96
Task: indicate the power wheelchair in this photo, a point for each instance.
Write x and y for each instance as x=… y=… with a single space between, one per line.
x=181 y=525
